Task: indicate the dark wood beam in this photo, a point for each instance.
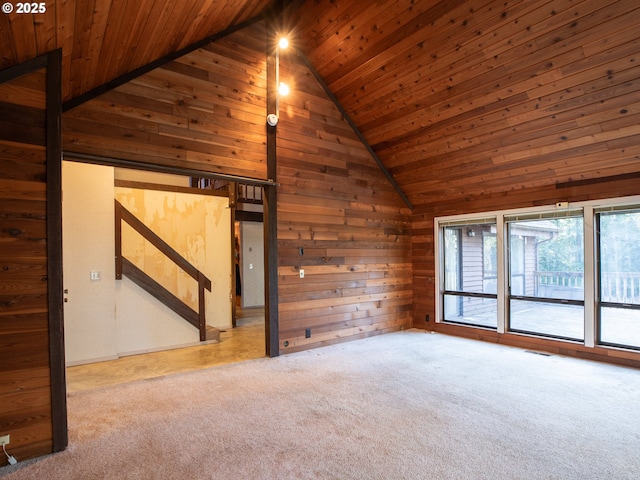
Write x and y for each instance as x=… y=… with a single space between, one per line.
x=147 y=167
x=54 y=251
x=271 y=210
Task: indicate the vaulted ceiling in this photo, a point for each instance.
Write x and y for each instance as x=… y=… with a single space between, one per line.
x=456 y=97
x=104 y=39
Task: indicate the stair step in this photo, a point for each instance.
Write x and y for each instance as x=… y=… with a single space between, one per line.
x=213 y=334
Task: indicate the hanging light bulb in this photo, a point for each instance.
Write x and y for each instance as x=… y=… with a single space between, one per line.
x=283 y=43
x=283 y=89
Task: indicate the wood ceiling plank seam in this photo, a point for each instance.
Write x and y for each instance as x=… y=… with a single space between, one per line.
x=628 y=52
x=315 y=12
x=378 y=47
x=175 y=39
x=597 y=23
x=92 y=45
x=528 y=140
x=531 y=114
x=82 y=30
x=45 y=28
x=447 y=75
x=544 y=53
x=132 y=38
x=119 y=27
x=8 y=52
x=338 y=34
x=506 y=88
x=623 y=32
x=154 y=28
x=485 y=19
x=22 y=32
x=65 y=20
x=578 y=38
x=411 y=42
x=205 y=20
x=614 y=120
x=130 y=76
x=441 y=64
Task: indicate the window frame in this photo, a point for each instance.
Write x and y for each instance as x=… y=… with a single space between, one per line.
x=591 y=276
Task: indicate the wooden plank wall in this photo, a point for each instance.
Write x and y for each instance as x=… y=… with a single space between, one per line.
x=25 y=385
x=204 y=111
x=207 y=110
x=354 y=229
x=423 y=254
x=541 y=107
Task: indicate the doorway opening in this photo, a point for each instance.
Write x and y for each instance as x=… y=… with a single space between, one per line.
x=115 y=333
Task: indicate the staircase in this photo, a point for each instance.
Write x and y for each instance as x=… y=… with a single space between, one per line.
x=125 y=267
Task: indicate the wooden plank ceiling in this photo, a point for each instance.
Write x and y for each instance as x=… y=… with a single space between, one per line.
x=457 y=97
x=104 y=39
x=472 y=98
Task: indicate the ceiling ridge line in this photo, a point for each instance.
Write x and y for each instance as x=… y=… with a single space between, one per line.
x=354 y=127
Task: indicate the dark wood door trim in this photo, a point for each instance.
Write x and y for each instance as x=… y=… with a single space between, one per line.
x=54 y=253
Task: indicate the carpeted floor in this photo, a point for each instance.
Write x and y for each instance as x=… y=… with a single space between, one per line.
x=409 y=405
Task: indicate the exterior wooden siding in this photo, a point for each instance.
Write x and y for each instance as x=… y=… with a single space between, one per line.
x=354 y=229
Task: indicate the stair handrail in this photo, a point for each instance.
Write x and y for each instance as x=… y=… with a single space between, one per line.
x=122 y=214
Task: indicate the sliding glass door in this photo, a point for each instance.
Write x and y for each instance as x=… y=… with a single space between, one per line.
x=470 y=274
x=618 y=244
x=546 y=275
x=571 y=273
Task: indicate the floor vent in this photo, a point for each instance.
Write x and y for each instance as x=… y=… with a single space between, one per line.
x=544 y=354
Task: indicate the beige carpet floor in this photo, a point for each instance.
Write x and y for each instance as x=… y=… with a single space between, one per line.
x=408 y=405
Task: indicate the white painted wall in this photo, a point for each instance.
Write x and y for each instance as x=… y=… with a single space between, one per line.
x=108 y=318
x=252 y=264
x=88 y=245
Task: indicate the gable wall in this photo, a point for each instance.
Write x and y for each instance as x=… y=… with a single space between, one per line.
x=207 y=111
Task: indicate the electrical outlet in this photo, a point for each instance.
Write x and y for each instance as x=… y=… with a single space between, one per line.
x=302 y=273
x=5 y=439
x=427 y=318
x=307 y=333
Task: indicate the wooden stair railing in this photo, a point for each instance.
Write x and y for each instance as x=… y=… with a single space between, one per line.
x=124 y=266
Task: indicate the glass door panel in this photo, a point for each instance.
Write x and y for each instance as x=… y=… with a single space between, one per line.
x=619 y=278
x=470 y=275
x=546 y=276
